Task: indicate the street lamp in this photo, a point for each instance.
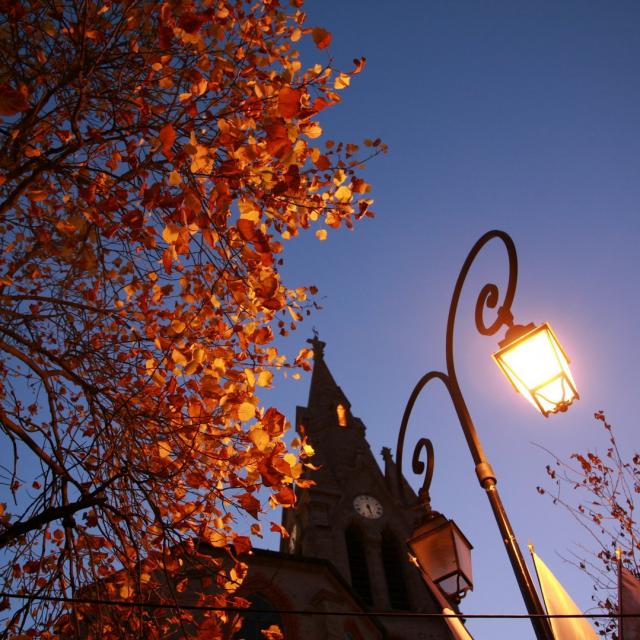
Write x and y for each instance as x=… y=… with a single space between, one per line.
x=536 y=365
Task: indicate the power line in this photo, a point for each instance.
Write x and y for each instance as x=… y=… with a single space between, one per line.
x=306 y=612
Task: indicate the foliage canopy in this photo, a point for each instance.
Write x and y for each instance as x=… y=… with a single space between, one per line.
x=155 y=159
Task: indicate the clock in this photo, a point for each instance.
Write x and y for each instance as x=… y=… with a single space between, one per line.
x=368 y=507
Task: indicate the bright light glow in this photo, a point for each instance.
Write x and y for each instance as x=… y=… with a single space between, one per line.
x=538 y=368
x=341 y=412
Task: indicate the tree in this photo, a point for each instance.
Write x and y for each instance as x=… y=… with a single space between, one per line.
x=603 y=501
x=155 y=159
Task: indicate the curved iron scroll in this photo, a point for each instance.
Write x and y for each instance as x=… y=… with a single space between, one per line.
x=488 y=298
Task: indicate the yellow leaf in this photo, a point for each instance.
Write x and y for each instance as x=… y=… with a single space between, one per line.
x=260 y=438
x=321 y=234
x=126 y=591
x=339 y=177
x=216 y=539
x=171 y=233
x=248 y=210
x=251 y=378
x=343 y=194
x=312 y=130
x=164 y=449
x=342 y=81
x=290 y=459
x=192 y=367
x=174 y=178
x=178 y=357
x=246 y=411
x=178 y=326
x=264 y=378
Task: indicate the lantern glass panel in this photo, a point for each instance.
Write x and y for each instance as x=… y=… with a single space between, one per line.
x=538 y=368
x=445 y=554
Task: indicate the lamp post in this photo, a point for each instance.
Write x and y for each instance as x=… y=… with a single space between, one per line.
x=536 y=365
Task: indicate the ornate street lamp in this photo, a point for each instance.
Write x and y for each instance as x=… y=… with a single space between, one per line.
x=537 y=366
x=437 y=543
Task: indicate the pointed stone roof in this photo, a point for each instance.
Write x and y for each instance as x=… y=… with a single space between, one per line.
x=324 y=392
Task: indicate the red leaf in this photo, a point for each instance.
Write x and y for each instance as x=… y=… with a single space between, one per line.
x=242 y=544
x=167 y=138
x=249 y=504
x=321 y=37
x=289 y=102
x=191 y=22
x=12 y=101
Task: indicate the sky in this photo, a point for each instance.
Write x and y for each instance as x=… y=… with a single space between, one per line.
x=520 y=116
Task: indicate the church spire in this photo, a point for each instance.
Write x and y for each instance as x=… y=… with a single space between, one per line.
x=324 y=392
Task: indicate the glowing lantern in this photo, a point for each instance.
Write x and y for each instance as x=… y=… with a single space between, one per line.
x=536 y=365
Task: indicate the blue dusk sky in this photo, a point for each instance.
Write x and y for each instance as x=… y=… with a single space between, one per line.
x=520 y=116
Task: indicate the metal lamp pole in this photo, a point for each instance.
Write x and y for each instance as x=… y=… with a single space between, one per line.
x=488 y=297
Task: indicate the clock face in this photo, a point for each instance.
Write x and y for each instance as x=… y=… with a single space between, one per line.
x=368 y=507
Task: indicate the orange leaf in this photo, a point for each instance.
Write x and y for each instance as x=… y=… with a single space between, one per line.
x=321 y=37
x=246 y=228
x=286 y=497
x=359 y=65
x=274 y=422
x=167 y=138
x=289 y=102
x=277 y=528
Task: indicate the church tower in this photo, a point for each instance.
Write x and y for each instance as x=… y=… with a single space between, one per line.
x=353 y=516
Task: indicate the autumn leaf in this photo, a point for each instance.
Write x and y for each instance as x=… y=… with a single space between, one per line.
x=286 y=497
x=242 y=544
x=321 y=37
x=260 y=438
x=359 y=64
x=289 y=102
x=167 y=138
x=277 y=528
x=246 y=411
x=249 y=503
x=12 y=101
x=247 y=229
x=342 y=81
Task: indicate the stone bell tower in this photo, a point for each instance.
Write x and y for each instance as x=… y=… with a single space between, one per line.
x=354 y=516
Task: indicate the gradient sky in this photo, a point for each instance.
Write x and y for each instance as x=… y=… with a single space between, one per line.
x=522 y=116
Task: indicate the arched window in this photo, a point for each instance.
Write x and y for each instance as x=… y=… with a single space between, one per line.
x=393 y=560
x=358 y=563
x=341 y=412
x=260 y=615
